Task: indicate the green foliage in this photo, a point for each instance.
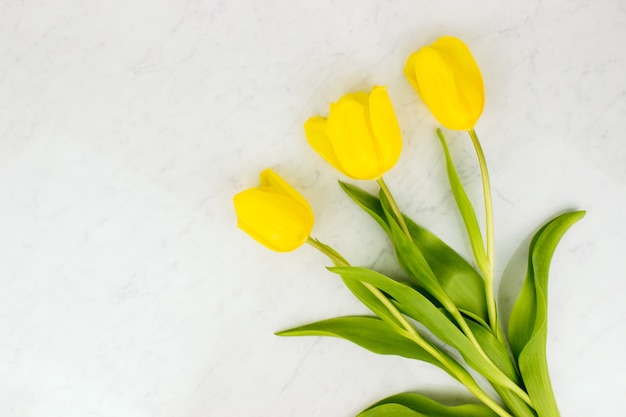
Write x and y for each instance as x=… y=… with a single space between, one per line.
x=457 y=278
x=415 y=405
x=499 y=354
x=370 y=333
x=465 y=207
x=528 y=322
x=444 y=284
x=442 y=278
x=415 y=305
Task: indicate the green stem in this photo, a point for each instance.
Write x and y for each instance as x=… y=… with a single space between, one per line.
x=460 y=374
x=394 y=206
x=489 y=273
x=410 y=333
x=448 y=304
x=523 y=395
x=334 y=256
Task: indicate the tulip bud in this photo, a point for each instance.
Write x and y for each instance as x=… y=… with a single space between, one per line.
x=361 y=137
x=448 y=80
x=274 y=214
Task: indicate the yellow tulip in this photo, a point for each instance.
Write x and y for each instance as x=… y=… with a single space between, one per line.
x=449 y=82
x=361 y=136
x=274 y=214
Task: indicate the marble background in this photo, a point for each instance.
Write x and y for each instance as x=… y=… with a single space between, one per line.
x=127 y=127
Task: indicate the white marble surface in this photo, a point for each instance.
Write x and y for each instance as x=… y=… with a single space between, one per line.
x=126 y=127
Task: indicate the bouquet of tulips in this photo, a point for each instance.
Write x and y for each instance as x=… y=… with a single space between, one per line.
x=453 y=298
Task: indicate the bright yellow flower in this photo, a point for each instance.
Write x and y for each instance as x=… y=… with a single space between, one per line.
x=360 y=137
x=449 y=81
x=274 y=214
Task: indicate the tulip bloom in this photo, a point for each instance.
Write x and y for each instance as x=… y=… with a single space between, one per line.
x=274 y=214
x=361 y=136
x=449 y=82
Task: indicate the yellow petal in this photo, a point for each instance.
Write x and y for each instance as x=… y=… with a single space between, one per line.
x=274 y=181
x=468 y=77
x=274 y=220
x=385 y=127
x=409 y=72
x=360 y=97
x=316 y=133
x=439 y=90
x=352 y=139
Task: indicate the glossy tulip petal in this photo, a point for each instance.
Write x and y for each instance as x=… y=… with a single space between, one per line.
x=316 y=133
x=459 y=57
x=409 y=72
x=274 y=214
x=354 y=146
x=361 y=137
x=358 y=97
x=275 y=182
x=448 y=80
x=440 y=92
x=385 y=126
x=469 y=80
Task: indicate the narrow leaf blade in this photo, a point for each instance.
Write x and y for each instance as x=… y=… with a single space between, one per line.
x=415 y=305
x=461 y=282
x=370 y=333
x=528 y=323
x=391 y=410
x=426 y=406
x=411 y=257
x=369 y=203
x=465 y=207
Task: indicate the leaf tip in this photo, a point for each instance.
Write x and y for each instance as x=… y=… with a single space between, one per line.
x=285 y=333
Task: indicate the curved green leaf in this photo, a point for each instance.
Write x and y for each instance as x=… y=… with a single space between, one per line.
x=361 y=292
x=369 y=203
x=528 y=321
x=499 y=354
x=459 y=280
x=514 y=403
x=419 y=405
x=415 y=305
x=465 y=207
x=411 y=257
x=496 y=350
x=370 y=333
x=391 y=410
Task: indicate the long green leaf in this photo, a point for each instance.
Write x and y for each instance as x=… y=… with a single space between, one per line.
x=415 y=305
x=401 y=404
x=465 y=207
x=514 y=403
x=411 y=257
x=528 y=321
x=391 y=410
x=361 y=292
x=499 y=354
x=370 y=333
x=496 y=350
x=460 y=281
x=369 y=203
